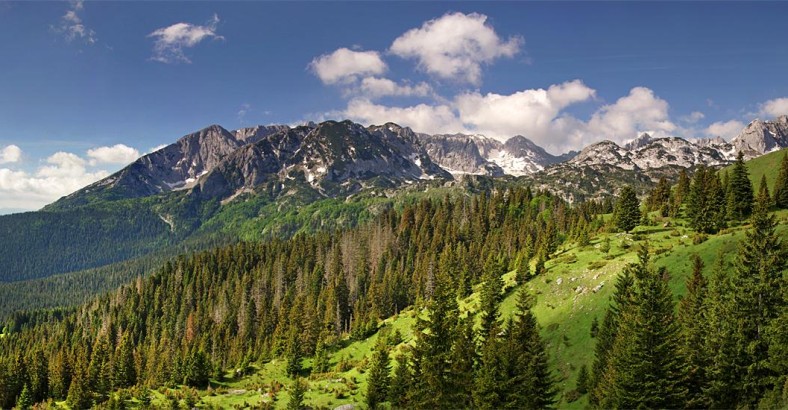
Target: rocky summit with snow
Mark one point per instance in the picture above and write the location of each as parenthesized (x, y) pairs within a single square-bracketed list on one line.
[(341, 158)]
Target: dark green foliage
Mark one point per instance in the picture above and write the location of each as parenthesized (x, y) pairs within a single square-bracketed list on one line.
[(378, 379), (692, 315), (25, 399), (582, 380), (293, 354), (490, 297), (297, 392), (198, 369), (626, 214), (739, 191), (79, 396), (706, 202), (320, 363), (781, 184), (463, 362), (401, 382), (646, 369), (659, 197)]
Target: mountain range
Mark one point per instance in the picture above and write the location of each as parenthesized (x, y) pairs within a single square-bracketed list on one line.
[(336, 159)]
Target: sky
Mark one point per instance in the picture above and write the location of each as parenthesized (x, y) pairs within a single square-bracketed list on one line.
[(87, 87)]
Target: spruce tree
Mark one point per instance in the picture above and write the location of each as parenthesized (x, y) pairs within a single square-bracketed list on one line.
[(25, 399), (320, 362), (627, 210), (463, 362), (582, 380), (490, 297), (706, 202), (297, 392), (692, 317), (601, 374), (647, 369), (740, 192), (378, 379), (401, 382), (530, 384), (293, 353), (780, 190), (757, 282)]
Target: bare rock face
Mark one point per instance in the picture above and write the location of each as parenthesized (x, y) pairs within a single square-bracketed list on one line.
[(760, 137), (462, 154)]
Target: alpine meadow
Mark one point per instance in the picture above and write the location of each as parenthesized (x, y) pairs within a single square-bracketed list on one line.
[(396, 206)]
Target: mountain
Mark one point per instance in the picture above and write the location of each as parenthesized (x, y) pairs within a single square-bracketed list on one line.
[(174, 167), (761, 137), (479, 155)]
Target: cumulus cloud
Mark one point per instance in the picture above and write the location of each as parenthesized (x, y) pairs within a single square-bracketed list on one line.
[(72, 28), (640, 110), (375, 87), (527, 112), (170, 42), (345, 65), (433, 119), (775, 107), (693, 117), (118, 154), (9, 154), (455, 46), (62, 174), (726, 130)]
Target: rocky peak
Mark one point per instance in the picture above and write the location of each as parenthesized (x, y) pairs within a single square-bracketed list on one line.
[(641, 141), (760, 137)]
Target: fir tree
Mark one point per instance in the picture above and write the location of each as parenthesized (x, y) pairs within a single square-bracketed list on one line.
[(293, 353), (692, 318), (320, 363), (297, 392), (401, 382), (757, 283), (25, 399), (582, 380), (626, 214), (648, 371), (463, 362), (490, 297), (378, 379), (780, 190), (740, 193), (79, 396), (530, 384), (706, 202)]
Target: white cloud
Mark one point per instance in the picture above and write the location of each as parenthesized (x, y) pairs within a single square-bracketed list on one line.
[(455, 46), (10, 154), (63, 174), (528, 112), (241, 115), (345, 65), (640, 110), (171, 41), (433, 119), (726, 130), (376, 87), (72, 28), (117, 154), (775, 107), (693, 117), (156, 148)]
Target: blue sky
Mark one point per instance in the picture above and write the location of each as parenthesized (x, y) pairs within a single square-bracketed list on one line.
[(85, 87)]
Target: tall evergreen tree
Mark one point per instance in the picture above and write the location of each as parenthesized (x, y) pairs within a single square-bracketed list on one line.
[(293, 353), (297, 392), (757, 282), (780, 190), (627, 210), (530, 384), (706, 201), (490, 297), (401, 383), (601, 374), (740, 192), (463, 362), (692, 317), (378, 379), (647, 370)]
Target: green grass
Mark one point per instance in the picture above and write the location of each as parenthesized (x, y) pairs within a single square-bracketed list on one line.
[(566, 305), (768, 165)]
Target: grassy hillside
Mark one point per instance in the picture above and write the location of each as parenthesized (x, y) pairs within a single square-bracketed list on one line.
[(575, 289), (767, 165)]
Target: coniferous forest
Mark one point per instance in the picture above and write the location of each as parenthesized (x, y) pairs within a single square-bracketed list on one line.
[(204, 318)]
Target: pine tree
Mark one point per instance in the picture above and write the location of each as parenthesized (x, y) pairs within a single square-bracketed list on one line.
[(25, 399), (79, 396), (757, 283), (124, 372), (692, 317), (320, 363), (780, 190), (490, 297), (647, 370), (293, 353), (740, 192), (582, 380), (463, 362), (627, 211), (530, 384), (432, 351), (706, 202), (378, 379), (401, 382), (489, 391), (297, 392), (601, 376)]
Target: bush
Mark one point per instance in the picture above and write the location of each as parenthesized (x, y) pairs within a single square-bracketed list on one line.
[(594, 265), (699, 238), (572, 395)]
